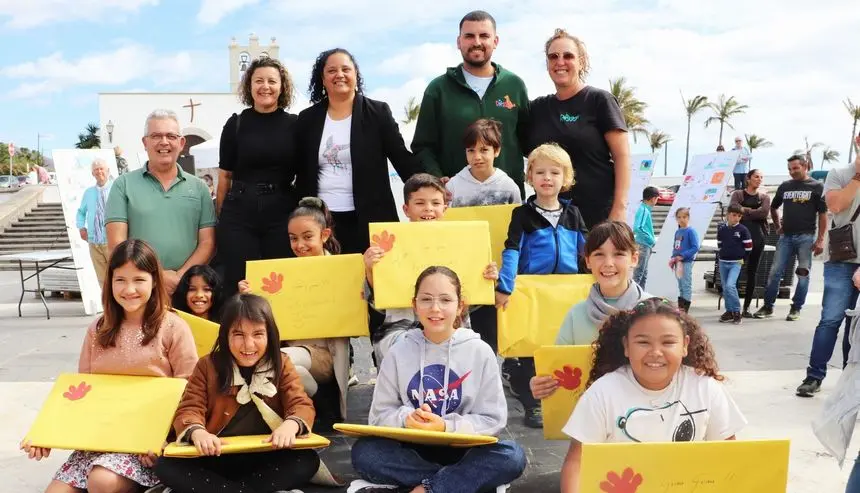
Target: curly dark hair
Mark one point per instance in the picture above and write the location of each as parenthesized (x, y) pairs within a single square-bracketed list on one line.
[(609, 346), (210, 277), (288, 92), (316, 90)]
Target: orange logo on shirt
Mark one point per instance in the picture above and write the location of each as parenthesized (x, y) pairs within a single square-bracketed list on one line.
[(506, 103)]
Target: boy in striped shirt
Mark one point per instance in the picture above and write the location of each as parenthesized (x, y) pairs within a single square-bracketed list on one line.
[(735, 244)]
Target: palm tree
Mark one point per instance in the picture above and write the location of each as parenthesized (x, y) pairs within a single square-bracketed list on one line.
[(854, 110), (724, 110), (90, 138), (829, 155), (755, 142), (658, 139), (632, 108), (693, 106), (412, 109)]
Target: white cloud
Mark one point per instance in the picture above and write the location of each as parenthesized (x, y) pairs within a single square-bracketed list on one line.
[(32, 13), (212, 11), (105, 70)]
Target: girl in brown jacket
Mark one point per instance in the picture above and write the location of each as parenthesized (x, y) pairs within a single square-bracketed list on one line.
[(243, 387)]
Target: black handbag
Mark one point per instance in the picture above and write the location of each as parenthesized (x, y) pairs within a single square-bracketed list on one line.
[(841, 247)]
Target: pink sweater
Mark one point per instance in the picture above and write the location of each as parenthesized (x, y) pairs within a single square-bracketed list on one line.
[(171, 353)]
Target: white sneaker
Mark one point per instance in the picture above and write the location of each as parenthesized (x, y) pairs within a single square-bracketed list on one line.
[(503, 488), (360, 485)]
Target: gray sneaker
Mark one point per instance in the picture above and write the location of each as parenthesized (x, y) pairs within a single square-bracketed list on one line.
[(808, 387), (764, 312), (793, 315)]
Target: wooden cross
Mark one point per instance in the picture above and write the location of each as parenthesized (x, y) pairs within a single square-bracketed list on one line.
[(191, 104)]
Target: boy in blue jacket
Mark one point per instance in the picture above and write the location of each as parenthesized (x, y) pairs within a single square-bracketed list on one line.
[(643, 232), (684, 250), (546, 236), (735, 244)]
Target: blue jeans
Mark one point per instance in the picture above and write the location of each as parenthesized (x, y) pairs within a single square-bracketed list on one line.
[(740, 178), (685, 283), (839, 295), (853, 485), (439, 469), (787, 248), (729, 272), (640, 273)]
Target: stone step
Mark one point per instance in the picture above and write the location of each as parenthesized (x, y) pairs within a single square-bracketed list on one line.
[(5, 240), (32, 247), (35, 234), (41, 220), (38, 227)]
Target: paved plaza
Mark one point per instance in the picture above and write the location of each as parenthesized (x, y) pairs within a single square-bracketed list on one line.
[(763, 360)]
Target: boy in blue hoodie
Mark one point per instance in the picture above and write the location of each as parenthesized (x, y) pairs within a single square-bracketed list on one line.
[(684, 250), (735, 244), (546, 236), (643, 231)]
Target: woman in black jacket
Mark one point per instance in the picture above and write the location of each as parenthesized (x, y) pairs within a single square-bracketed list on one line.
[(346, 140)]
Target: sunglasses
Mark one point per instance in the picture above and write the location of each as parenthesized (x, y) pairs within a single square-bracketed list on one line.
[(554, 57)]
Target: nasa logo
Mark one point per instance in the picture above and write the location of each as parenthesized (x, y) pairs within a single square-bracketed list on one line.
[(435, 393)]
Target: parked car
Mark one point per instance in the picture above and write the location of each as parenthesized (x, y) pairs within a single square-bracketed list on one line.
[(22, 180), (666, 197), (7, 182)]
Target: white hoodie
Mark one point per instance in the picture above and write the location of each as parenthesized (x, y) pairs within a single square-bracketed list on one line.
[(458, 378), (498, 189)]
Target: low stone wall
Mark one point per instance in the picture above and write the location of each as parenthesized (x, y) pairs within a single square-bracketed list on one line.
[(19, 204)]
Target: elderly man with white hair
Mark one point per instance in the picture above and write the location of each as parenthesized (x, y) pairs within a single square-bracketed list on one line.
[(742, 164), (91, 217), (163, 205)]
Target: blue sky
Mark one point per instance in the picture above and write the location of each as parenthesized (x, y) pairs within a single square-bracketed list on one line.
[(793, 65)]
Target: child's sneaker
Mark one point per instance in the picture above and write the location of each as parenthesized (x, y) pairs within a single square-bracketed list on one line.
[(362, 486), (727, 317), (737, 318)]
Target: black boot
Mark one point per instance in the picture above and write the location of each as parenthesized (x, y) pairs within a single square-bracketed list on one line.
[(680, 303), (685, 305)]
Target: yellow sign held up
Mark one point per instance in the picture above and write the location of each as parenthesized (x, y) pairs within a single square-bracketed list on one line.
[(686, 467), (421, 437), (107, 413), (205, 332), (536, 310), (246, 444), (463, 246), (498, 218), (570, 366), (313, 297)]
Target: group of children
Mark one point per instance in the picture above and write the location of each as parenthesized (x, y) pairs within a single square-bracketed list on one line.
[(435, 373)]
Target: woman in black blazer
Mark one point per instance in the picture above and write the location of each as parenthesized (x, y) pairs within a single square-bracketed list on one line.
[(346, 140)]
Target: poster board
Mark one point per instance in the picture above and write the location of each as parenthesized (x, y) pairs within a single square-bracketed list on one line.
[(759, 466), (246, 444), (702, 189), (313, 297), (421, 437), (463, 246), (570, 366), (498, 218), (205, 332), (536, 310), (107, 413), (74, 177), (642, 167)]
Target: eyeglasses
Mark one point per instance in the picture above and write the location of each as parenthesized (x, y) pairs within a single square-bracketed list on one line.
[(427, 302), (169, 137), (567, 56)]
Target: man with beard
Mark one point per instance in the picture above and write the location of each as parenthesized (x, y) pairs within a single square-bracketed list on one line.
[(805, 211), (477, 88)]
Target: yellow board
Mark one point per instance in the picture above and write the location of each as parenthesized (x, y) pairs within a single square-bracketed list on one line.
[(759, 466), (107, 413), (247, 444), (497, 216), (536, 310), (421, 437), (463, 246), (313, 297), (205, 332), (570, 367)]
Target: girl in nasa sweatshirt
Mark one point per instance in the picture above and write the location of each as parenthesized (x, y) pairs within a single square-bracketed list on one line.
[(445, 379)]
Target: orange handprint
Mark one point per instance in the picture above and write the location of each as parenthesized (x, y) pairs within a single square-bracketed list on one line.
[(273, 283), (384, 241), (628, 482), (77, 392), (569, 378)]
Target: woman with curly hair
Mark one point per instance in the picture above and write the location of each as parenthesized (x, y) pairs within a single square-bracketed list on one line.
[(654, 379), (346, 140), (258, 163)]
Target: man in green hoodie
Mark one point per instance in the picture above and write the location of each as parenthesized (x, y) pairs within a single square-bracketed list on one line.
[(477, 88)]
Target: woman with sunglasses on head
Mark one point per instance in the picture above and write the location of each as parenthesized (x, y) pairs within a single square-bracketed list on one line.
[(587, 122)]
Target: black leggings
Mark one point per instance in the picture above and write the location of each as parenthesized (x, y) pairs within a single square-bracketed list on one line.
[(239, 473), (752, 269)]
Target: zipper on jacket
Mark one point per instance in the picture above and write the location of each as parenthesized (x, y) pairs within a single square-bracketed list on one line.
[(557, 248)]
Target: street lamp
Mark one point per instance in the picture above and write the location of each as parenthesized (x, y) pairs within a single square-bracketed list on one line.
[(109, 128)]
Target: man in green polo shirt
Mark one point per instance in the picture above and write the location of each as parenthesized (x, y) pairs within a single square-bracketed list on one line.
[(163, 205)]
